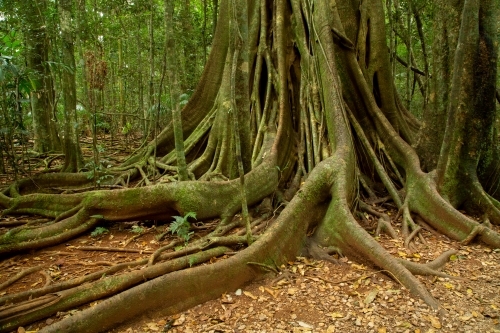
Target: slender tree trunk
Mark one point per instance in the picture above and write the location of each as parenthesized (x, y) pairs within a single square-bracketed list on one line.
[(149, 113), (73, 153), (42, 97), (171, 63)]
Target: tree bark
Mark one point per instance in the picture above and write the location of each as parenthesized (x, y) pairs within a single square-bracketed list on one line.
[(42, 97), (73, 161)]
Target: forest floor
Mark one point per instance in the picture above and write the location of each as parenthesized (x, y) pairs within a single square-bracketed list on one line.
[(306, 296)]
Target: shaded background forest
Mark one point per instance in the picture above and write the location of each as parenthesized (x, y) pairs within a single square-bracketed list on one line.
[(121, 52)]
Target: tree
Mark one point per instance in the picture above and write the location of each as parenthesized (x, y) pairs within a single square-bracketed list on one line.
[(42, 96), (73, 161), (311, 86)]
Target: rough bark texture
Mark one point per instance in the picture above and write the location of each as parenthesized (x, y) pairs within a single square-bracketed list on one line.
[(73, 160), (42, 97)]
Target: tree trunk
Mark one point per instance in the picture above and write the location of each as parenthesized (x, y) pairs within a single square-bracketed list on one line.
[(446, 24), (42, 97), (73, 161), (472, 107)]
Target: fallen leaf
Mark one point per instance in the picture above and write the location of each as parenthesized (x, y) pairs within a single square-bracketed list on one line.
[(382, 330), (405, 324), (270, 291), (336, 315), (249, 294), (371, 296), (466, 317), (434, 322), (305, 325), (449, 285), (179, 321), (292, 291), (153, 327)]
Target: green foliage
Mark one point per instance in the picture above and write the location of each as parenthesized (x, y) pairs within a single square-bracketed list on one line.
[(137, 229), (192, 261), (10, 44), (127, 128), (98, 171), (99, 231), (15, 88), (184, 99), (181, 226)]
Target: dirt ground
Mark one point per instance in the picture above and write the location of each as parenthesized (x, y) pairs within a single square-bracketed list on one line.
[(307, 295)]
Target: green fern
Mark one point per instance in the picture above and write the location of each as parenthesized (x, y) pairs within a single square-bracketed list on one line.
[(99, 231), (181, 226)]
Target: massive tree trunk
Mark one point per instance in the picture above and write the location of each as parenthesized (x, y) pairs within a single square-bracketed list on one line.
[(311, 87)]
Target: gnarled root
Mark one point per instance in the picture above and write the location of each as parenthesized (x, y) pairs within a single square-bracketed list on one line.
[(180, 290), (440, 214), (24, 313), (80, 212)]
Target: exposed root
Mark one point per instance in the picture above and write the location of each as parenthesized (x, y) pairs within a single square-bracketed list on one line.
[(407, 223), (48, 279), (478, 230), (21, 314), (182, 289), (110, 249), (422, 269), (19, 276), (384, 225), (264, 266), (486, 203), (162, 249), (317, 252), (410, 237), (131, 239), (228, 241), (47, 235), (439, 214), (431, 268)]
